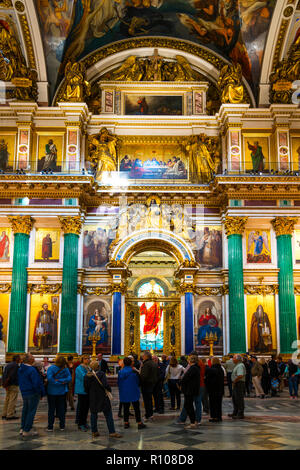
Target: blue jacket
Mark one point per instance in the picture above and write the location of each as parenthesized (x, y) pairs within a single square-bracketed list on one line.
[(30, 381), (58, 385), (80, 373), (128, 382)]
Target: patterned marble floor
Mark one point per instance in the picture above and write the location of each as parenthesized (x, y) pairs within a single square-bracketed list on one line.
[(270, 424)]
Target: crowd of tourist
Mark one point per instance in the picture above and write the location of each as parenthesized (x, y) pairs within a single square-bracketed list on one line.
[(200, 382)]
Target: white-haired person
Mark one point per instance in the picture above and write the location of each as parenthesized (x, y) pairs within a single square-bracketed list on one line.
[(238, 378)]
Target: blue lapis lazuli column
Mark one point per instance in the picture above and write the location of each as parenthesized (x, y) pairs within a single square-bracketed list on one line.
[(189, 322), (116, 334)]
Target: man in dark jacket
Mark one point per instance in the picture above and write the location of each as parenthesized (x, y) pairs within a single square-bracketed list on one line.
[(158, 388), (11, 385), (214, 381), (190, 386), (32, 390), (149, 375), (103, 364)]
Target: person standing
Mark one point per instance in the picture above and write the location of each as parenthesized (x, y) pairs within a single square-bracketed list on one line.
[(257, 372), (58, 379), (265, 378), (32, 390), (281, 369), (274, 374), (103, 364), (238, 378), (229, 366), (149, 377), (190, 385), (11, 385), (158, 388), (292, 372), (97, 388), (247, 365), (70, 396), (129, 391), (174, 373), (83, 398), (214, 381)]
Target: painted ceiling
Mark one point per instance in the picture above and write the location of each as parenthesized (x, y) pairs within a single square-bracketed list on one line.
[(235, 29)]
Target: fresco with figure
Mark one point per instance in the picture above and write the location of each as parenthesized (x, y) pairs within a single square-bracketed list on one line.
[(234, 29), (261, 323), (208, 246), (96, 242), (43, 324), (97, 321), (207, 320)]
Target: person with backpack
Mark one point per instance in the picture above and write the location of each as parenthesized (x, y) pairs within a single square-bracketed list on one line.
[(11, 385), (58, 379), (129, 391), (98, 395), (292, 372)]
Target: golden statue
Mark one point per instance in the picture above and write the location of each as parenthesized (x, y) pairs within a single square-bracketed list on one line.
[(199, 150), (76, 88), (230, 84), (282, 77), (102, 151), (130, 70), (11, 50), (26, 84)]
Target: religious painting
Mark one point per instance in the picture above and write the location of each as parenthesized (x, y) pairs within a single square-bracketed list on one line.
[(258, 243), (47, 245), (50, 152), (5, 244), (97, 323), (43, 324), (256, 151), (153, 160), (96, 242), (149, 105), (208, 321), (151, 317), (208, 246), (261, 324), (4, 312), (297, 297), (296, 153), (7, 151), (297, 246)]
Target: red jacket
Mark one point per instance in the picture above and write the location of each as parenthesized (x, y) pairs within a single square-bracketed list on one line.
[(202, 373)]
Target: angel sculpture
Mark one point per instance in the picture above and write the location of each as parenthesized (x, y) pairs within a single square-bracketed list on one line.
[(230, 84), (257, 243), (102, 152), (77, 88)]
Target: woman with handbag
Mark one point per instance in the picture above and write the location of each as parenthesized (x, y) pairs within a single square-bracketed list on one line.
[(174, 372), (99, 396)]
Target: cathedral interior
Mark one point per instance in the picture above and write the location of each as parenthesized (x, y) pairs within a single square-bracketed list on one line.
[(149, 177)]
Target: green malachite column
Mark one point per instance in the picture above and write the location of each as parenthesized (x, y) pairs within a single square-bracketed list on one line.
[(234, 227), (68, 320), (21, 227), (284, 227)]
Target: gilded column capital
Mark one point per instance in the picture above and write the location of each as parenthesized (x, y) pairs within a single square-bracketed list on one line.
[(284, 225), (21, 223), (71, 224), (235, 225)]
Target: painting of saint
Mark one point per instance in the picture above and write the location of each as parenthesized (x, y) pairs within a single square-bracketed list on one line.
[(258, 247), (260, 332), (96, 243), (4, 245), (208, 250), (208, 323), (153, 105), (97, 321), (45, 329), (256, 156), (50, 157), (98, 325), (47, 245), (4, 155), (208, 319)]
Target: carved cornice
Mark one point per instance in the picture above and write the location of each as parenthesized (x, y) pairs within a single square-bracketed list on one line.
[(261, 289), (94, 290), (21, 224), (235, 225), (284, 225), (71, 224), (44, 288)]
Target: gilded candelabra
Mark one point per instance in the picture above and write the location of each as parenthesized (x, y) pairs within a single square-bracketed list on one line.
[(210, 339), (94, 338)]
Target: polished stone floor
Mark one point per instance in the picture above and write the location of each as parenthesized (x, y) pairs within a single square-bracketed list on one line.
[(270, 424)]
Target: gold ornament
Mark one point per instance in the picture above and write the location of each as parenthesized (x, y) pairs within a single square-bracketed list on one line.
[(261, 289), (230, 84), (11, 50), (102, 151), (203, 153), (21, 224), (85, 290), (235, 225), (77, 88), (284, 225), (5, 4), (19, 6), (71, 224), (5, 288)]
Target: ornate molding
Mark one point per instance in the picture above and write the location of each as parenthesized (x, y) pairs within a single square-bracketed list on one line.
[(284, 225), (71, 224), (5, 288), (94, 290), (28, 41), (261, 289), (44, 288), (6, 4), (235, 225), (297, 290), (21, 223)]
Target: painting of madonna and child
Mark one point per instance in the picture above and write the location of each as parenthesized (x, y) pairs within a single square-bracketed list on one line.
[(153, 161), (208, 319), (97, 321)]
